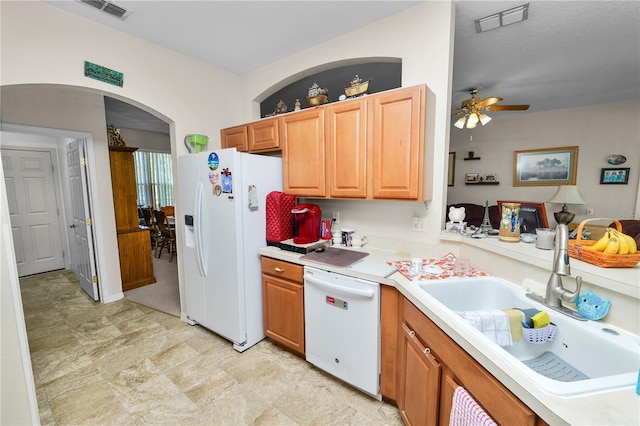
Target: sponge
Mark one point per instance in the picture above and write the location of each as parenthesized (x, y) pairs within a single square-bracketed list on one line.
[(541, 319)]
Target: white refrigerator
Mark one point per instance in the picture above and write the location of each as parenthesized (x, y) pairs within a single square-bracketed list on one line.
[(222, 195)]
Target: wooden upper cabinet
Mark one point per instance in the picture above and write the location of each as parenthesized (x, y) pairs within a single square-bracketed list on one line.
[(263, 135), (303, 153), (346, 144), (398, 144), (123, 181), (235, 137)]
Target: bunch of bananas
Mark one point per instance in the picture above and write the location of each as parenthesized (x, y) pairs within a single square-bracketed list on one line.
[(615, 242)]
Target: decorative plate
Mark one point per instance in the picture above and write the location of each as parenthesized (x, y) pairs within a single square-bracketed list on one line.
[(616, 159)]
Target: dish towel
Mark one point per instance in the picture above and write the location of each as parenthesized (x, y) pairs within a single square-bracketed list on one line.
[(492, 323), (465, 411)]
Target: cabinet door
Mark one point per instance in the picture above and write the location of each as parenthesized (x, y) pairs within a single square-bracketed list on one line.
[(235, 137), (283, 312), (398, 144), (303, 154), (136, 259), (420, 381), (449, 386), (347, 149), (263, 135), (123, 182)]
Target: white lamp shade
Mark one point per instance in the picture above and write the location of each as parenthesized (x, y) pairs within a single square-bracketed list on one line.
[(484, 119), (472, 121), (567, 194), (460, 123)]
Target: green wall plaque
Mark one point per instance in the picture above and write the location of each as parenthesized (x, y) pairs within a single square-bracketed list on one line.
[(98, 72)]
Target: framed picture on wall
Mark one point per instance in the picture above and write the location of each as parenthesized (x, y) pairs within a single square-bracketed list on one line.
[(550, 166), (452, 169), (472, 177), (615, 176)]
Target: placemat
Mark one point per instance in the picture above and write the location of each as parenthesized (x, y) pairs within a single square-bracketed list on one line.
[(335, 256), (447, 263)]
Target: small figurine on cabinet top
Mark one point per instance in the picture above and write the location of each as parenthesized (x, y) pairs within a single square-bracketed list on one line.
[(317, 95), (357, 87), (114, 136)]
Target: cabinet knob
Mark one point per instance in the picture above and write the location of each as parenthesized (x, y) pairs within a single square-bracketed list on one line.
[(277, 269)]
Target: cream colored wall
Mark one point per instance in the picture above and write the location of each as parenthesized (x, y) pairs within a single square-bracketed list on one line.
[(598, 130), (41, 73), (422, 38), (18, 404)]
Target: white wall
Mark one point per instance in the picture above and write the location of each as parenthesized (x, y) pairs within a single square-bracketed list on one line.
[(598, 130), (18, 404), (43, 84), (422, 38)]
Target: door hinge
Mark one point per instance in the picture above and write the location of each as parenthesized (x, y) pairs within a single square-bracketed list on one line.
[(89, 222), (83, 161), (95, 278)]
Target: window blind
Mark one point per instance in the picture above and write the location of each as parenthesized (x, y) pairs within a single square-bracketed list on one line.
[(154, 179)]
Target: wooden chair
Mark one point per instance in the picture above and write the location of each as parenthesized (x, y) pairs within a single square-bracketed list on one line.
[(150, 223), (168, 210), (167, 237)]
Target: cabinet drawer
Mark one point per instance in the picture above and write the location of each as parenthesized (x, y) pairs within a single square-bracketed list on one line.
[(282, 269)]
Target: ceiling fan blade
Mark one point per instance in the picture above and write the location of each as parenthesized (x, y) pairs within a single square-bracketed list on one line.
[(487, 101), (507, 108)]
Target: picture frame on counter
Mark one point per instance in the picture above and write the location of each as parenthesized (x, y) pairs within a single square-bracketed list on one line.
[(614, 176), (545, 167), (451, 172)]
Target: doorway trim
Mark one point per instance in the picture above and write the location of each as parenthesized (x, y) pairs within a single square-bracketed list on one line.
[(67, 134)]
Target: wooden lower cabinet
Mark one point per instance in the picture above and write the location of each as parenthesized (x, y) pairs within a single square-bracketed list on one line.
[(420, 377), (136, 258), (430, 368), (283, 303)]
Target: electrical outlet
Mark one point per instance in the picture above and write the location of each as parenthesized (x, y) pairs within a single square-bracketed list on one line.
[(589, 212), (335, 217), (418, 224)]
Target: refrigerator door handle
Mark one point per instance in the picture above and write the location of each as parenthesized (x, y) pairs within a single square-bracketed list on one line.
[(197, 225)]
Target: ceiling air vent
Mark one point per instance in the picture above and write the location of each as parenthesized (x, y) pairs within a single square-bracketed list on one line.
[(109, 7)]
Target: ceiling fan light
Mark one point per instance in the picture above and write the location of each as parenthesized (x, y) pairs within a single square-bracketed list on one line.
[(460, 123), (472, 121), (484, 119)]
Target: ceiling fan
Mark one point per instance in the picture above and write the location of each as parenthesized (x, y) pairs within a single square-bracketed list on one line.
[(472, 110)]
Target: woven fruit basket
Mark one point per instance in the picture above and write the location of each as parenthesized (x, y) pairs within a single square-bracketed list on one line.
[(578, 250)]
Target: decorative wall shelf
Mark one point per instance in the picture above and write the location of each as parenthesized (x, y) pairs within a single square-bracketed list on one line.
[(482, 183), (472, 158)]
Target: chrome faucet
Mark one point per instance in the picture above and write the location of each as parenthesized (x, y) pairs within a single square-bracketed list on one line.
[(556, 293)]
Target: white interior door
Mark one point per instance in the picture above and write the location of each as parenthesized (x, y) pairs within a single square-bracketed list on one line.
[(33, 209), (82, 257)]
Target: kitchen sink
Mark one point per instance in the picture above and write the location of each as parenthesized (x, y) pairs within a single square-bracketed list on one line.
[(594, 356)]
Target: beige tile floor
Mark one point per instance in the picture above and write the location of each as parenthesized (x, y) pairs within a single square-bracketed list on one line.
[(123, 363)]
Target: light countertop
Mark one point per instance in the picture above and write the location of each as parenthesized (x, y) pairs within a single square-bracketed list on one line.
[(620, 407)]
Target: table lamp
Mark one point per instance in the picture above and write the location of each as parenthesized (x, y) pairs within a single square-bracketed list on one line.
[(566, 194)]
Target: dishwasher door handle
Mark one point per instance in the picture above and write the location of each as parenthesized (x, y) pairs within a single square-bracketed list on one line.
[(346, 290)]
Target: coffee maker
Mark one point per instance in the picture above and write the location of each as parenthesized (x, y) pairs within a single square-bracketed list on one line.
[(306, 223)]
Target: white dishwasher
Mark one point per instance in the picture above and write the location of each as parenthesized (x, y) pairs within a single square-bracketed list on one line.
[(342, 327)]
